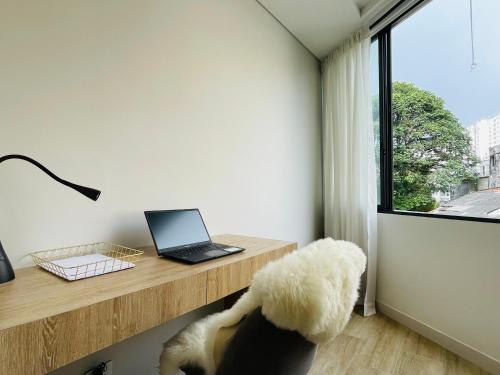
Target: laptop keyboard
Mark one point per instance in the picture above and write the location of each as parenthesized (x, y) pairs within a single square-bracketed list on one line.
[(196, 250)]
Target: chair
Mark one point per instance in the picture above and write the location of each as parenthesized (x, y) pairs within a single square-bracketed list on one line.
[(292, 305)]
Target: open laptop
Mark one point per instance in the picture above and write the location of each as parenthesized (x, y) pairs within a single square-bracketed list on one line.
[(182, 235)]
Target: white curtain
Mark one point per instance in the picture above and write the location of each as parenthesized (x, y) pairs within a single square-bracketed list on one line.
[(350, 191)]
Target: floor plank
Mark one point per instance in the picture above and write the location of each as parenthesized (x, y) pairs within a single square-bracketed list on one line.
[(378, 345), (343, 348)]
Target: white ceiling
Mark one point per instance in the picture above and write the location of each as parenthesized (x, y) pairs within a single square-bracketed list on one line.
[(322, 24), (362, 3)]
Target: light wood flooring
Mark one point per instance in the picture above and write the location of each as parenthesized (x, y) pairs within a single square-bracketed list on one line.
[(377, 345)]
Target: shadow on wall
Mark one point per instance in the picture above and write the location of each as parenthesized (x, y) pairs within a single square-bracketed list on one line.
[(130, 229)]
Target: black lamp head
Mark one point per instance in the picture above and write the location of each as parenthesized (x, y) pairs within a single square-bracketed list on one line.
[(88, 192)]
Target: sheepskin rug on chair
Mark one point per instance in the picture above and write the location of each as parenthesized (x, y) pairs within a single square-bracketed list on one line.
[(311, 291)]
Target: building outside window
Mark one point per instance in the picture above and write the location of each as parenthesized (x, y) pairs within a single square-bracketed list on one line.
[(440, 140)]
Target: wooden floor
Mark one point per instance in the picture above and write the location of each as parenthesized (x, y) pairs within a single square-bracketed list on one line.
[(378, 345)]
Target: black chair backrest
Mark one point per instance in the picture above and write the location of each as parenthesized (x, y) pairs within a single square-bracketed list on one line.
[(260, 348), (192, 370)]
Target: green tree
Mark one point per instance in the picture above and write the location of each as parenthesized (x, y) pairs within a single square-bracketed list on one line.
[(432, 151)]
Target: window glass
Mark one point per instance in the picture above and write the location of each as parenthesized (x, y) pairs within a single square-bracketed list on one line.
[(446, 109)]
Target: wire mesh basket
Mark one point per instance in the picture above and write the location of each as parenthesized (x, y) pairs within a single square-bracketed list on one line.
[(80, 262)]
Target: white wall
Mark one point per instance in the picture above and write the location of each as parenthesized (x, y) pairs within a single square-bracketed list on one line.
[(445, 274), (160, 104)]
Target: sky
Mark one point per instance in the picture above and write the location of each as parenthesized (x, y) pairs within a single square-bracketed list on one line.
[(432, 49)]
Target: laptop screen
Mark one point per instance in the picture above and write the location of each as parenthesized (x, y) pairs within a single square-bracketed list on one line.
[(177, 228)]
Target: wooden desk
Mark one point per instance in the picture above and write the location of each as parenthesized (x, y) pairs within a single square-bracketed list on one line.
[(47, 322)]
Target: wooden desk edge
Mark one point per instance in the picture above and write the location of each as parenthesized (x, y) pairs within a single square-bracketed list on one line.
[(47, 343)]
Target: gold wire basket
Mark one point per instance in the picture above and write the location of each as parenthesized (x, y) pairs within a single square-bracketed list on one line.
[(80, 262)]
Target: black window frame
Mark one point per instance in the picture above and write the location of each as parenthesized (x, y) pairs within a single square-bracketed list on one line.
[(386, 206)]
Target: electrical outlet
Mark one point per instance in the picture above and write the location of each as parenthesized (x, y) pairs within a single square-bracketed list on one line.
[(99, 369), (109, 368)]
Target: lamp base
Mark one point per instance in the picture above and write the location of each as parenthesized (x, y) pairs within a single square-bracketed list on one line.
[(6, 270)]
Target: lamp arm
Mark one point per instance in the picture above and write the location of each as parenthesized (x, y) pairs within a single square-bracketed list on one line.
[(88, 192), (6, 270)]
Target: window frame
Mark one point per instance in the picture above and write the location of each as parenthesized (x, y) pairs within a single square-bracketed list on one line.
[(386, 206)]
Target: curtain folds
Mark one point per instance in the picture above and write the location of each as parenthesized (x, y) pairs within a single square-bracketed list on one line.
[(350, 191)]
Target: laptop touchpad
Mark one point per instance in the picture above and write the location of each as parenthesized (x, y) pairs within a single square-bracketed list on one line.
[(214, 253)]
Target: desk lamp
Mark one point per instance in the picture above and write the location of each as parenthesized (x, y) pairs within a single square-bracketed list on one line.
[(6, 271)]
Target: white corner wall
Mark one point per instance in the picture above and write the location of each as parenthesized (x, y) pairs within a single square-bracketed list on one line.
[(160, 104), (442, 277)]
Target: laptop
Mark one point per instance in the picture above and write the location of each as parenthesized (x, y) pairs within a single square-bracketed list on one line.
[(182, 235)]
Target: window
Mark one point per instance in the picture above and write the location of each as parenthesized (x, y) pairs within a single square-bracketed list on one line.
[(375, 109), (435, 83)]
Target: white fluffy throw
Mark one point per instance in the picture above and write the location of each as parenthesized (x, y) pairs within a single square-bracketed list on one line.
[(311, 291)]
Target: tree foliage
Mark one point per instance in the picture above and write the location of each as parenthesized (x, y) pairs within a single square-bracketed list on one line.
[(431, 150)]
